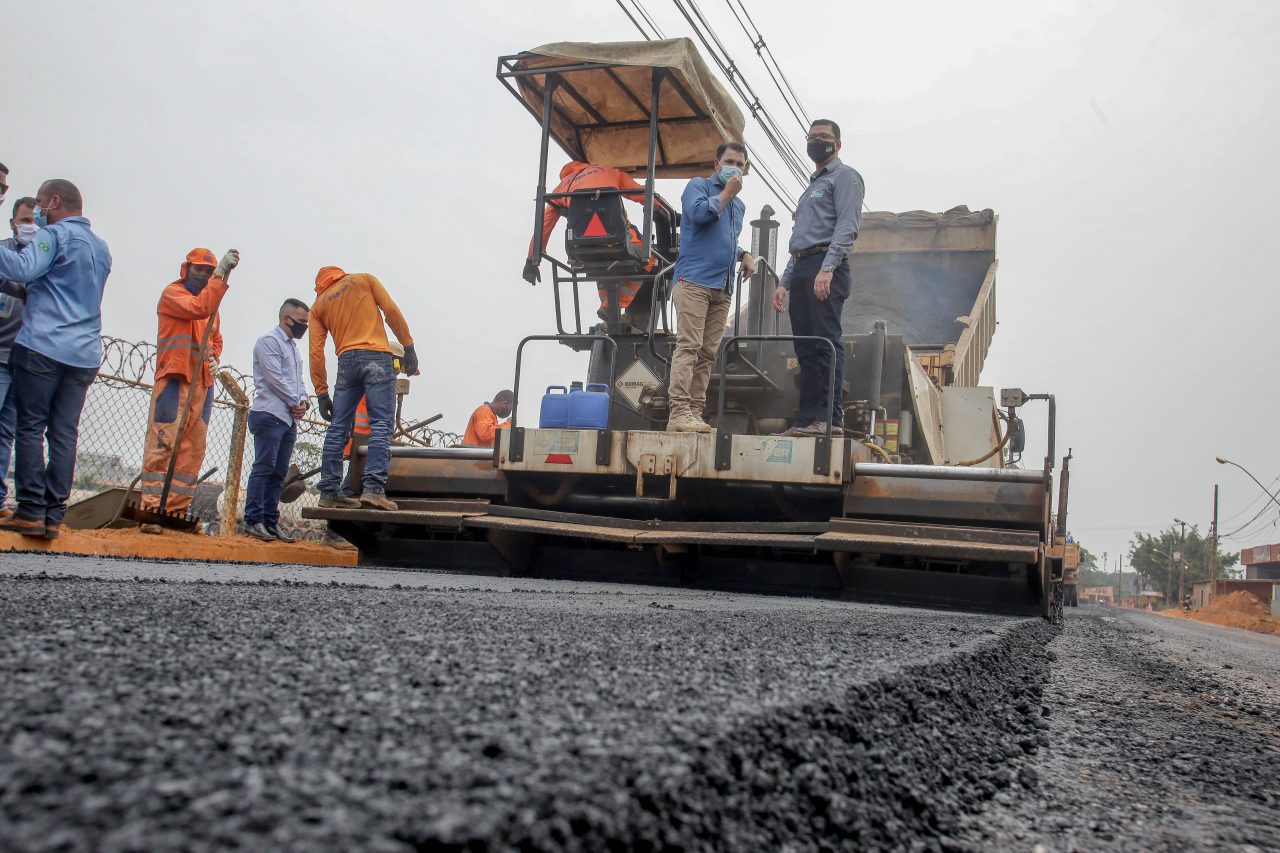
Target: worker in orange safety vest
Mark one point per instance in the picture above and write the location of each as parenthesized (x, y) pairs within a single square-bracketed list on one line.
[(577, 175), (186, 309), (482, 429)]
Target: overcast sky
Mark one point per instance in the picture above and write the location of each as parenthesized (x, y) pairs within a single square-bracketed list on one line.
[(1129, 149)]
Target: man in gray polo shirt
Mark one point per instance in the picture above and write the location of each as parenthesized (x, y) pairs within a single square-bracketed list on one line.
[(12, 297), (818, 276)]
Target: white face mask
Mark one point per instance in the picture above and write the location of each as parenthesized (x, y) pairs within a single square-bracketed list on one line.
[(26, 230)]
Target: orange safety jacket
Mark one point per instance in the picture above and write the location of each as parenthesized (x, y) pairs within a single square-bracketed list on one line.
[(361, 426), (584, 176), (183, 317), (482, 429), (351, 307)]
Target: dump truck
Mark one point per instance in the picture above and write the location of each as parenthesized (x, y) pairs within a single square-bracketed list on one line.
[(922, 500)]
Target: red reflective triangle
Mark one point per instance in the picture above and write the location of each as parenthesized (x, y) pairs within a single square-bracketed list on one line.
[(595, 228), (559, 459)]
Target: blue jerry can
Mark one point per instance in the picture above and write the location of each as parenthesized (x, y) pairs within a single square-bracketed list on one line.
[(554, 413), (589, 409)]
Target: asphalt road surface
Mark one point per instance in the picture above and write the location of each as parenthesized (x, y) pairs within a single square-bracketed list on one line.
[(208, 707)]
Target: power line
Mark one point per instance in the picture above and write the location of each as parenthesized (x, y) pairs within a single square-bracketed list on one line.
[(767, 175), (643, 14), (1252, 503), (780, 81), (706, 34)]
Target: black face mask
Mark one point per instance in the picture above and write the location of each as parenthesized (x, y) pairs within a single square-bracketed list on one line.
[(820, 150), (297, 329)]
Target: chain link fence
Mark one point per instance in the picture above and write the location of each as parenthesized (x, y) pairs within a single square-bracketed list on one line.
[(113, 432)]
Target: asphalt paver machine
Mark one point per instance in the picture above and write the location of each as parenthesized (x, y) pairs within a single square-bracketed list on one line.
[(922, 501)]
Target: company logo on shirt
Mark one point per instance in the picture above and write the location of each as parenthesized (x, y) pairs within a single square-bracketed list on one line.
[(816, 194), (44, 247)]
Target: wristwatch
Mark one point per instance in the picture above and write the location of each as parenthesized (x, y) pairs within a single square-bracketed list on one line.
[(828, 268)]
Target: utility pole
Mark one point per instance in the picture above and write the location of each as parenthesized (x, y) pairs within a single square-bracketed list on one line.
[(1119, 579), (1213, 555), (1182, 560)]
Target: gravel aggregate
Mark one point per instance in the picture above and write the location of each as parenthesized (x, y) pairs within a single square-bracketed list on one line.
[(1163, 734), (153, 715)]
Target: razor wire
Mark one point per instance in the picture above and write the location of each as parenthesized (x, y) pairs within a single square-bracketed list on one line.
[(113, 432)]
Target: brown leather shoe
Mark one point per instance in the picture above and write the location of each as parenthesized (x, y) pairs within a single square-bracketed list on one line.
[(52, 531), (14, 524)]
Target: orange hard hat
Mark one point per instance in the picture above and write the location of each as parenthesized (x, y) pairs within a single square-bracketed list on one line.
[(327, 276), (199, 257), (202, 257)]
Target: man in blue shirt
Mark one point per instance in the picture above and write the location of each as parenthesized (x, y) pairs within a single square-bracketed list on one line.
[(710, 222), (56, 355), (12, 296), (279, 401), (818, 276)]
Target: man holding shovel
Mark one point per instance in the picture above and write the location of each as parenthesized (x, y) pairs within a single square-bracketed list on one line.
[(187, 350)]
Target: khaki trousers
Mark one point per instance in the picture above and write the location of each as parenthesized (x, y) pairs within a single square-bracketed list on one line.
[(701, 313)]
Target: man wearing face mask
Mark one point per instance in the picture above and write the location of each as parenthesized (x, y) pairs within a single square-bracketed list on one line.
[(188, 307), (710, 224), (12, 295), (57, 352), (482, 428), (818, 276), (279, 402)]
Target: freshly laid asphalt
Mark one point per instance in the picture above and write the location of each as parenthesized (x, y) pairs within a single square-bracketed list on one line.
[(1164, 735), (491, 714), (164, 706)]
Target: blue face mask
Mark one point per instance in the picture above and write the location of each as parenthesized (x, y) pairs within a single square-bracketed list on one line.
[(727, 172), (42, 218)]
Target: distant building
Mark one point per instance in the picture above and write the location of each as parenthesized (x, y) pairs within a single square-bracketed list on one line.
[(1266, 591), (1261, 562)]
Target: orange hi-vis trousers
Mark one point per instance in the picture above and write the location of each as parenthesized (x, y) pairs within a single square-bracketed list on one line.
[(167, 399), (627, 290)]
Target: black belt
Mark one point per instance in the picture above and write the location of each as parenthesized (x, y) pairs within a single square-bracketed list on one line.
[(812, 250)]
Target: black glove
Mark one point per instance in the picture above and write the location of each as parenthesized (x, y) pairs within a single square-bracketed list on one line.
[(325, 405), (410, 361), (531, 273)]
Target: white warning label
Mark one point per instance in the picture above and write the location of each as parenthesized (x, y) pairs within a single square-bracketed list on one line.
[(635, 381)]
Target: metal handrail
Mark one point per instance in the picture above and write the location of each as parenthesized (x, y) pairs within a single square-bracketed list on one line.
[(831, 379)]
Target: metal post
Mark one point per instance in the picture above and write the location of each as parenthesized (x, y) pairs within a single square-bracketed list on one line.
[(235, 456), (1213, 556), (541, 192), (764, 243), (653, 155)]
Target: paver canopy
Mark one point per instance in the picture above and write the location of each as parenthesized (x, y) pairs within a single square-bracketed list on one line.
[(600, 109)]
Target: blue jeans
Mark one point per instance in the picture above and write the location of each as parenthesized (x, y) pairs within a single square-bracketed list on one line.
[(50, 397), (368, 374), (272, 449), (8, 426), (821, 318)]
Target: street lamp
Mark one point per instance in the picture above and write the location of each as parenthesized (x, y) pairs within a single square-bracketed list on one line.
[(1182, 562), (1222, 460)]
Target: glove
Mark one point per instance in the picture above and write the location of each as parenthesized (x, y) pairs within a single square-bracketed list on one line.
[(410, 361), (325, 406), (229, 262), (531, 273)]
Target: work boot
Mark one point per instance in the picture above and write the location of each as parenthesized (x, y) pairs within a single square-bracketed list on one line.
[(338, 502), (685, 422), (333, 540), (378, 500), (817, 429), (258, 531), (793, 432), (152, 529), (276, 533), (52, 531), (26, 527)]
